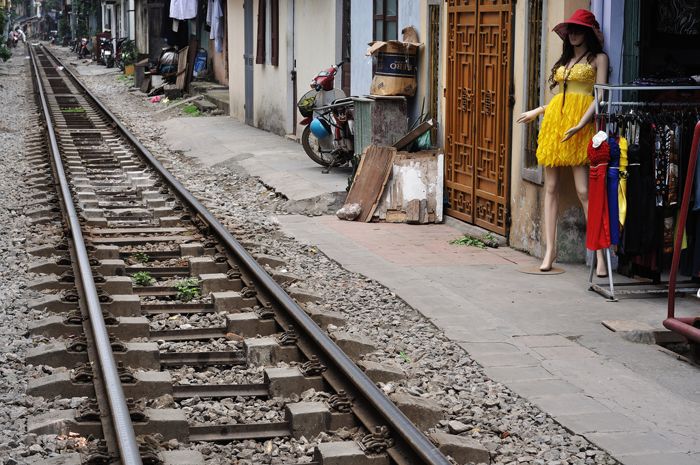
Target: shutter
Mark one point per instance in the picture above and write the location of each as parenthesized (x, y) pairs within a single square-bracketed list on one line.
[(260, 54), (274, 32)]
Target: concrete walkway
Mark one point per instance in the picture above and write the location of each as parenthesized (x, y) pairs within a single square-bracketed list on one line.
[(540, 335)]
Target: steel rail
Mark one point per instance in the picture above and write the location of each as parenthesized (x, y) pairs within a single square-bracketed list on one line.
[(124, 429), (398, 422)]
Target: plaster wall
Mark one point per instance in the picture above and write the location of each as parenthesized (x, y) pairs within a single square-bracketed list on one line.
[(527, 198), (411, 13), (235, 47), (315, 43)]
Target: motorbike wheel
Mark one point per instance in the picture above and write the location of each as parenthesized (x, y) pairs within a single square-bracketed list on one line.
[(110, 62), (314, 149)]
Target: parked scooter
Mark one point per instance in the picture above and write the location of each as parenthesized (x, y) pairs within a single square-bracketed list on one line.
[(328, 138), (106, 56)]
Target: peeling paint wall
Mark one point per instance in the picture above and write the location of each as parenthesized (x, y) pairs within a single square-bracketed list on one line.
[(527, 199)]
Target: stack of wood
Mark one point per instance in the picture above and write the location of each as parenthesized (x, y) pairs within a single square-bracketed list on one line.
[(396, 187)]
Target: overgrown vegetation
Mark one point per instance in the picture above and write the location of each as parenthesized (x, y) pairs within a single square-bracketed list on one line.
[(140, 257), (187, 289), (5, 52), (191, 110), (73, 110), (487, 240), (143, 278)]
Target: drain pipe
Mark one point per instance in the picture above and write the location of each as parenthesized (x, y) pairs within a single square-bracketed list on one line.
[(683, 326), (131, 18)]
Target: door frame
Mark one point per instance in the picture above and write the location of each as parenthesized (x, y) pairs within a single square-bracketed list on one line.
[(248, 61), (483, 207)]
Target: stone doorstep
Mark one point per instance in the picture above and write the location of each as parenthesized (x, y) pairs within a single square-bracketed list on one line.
[(126, 329), (171, 423), (148, 384)]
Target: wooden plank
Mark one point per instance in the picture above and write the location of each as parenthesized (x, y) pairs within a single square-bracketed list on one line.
[(370, 179), (181, 68), (413, 135), (413, 211), (395, 216)]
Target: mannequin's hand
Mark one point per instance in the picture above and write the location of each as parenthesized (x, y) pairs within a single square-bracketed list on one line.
[(570, 132), (527, 116)]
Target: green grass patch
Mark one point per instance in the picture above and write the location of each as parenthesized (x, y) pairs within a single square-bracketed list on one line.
[(187, 289), (191, 110), (73, 110), (487, 240), (143, 278)]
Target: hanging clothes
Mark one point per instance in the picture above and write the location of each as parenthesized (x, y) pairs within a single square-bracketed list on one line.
[(598, 228), (215, 21), (183, 9), (613, 184), (622, 187)]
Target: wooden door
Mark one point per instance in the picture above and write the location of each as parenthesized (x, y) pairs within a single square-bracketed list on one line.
[(478, 111)]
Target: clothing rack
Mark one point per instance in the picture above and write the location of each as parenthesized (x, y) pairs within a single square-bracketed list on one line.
[(638, 288)]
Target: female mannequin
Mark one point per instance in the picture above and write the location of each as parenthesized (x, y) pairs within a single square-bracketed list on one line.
[(566, 127)]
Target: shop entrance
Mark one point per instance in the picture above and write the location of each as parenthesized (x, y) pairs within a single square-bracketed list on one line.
[(478, 112)]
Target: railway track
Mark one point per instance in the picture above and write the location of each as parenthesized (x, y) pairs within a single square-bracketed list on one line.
[(146, 284)]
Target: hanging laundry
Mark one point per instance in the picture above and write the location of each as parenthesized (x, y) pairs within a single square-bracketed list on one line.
[(598, 228), (215, 21), (613, 184), (183, 9)]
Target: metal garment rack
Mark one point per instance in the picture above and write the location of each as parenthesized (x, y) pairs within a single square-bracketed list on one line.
[(639, 288)]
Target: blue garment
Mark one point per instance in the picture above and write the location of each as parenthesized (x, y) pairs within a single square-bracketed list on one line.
[(613, 183)]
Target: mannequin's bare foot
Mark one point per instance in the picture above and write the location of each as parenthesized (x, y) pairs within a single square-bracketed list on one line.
[(547, 262), (601, 269)]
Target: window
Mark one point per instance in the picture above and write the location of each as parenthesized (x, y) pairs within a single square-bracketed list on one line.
[(533, 89), (268, 33), (386, 24)]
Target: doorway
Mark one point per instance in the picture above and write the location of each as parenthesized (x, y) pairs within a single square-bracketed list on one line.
[(478, 112)]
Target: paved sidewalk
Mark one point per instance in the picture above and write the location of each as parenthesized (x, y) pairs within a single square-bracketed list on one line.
[(278, 162), (540, 335)]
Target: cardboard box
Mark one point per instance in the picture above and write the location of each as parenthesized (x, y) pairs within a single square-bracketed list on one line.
[(396, 65)]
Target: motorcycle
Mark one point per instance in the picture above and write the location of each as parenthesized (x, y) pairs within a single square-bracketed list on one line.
[(106, 53), (328, 138)]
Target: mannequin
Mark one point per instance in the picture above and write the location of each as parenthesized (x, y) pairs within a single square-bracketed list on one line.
[(567, 124)]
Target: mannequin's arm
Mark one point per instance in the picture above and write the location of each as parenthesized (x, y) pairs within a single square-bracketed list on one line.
[(531, 114)]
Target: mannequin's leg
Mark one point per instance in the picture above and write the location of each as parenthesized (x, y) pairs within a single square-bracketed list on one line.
[(551, 208), (581, 182)]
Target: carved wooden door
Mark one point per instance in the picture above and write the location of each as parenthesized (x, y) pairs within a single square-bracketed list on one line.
[(478, 111)]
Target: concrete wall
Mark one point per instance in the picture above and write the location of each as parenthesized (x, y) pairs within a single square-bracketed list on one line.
[(307, 31), (236, 71), (527, 198)]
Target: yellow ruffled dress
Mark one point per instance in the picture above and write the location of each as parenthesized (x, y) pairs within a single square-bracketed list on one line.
[(565, 112)]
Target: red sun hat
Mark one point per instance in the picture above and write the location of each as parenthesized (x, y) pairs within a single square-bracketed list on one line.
[(580, 17)]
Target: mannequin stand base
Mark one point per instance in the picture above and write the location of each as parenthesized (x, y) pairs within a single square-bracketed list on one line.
[(536, 270)]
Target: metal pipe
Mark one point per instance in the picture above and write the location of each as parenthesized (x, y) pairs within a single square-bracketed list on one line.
[(625, 87), (124, 429), (684, 329), (685, 203), (418, 442)]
